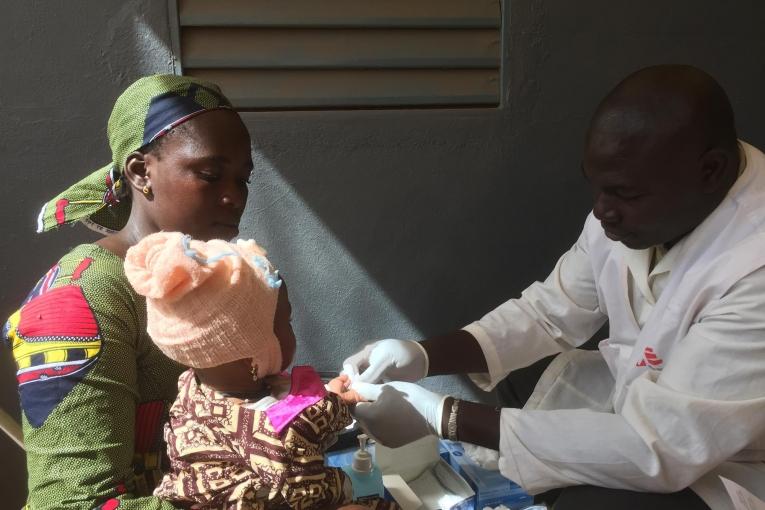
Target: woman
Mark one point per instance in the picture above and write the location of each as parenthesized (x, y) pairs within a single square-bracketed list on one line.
[(94, 389)]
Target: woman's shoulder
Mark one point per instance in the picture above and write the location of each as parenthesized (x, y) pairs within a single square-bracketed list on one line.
[(97, 271), (57, 335), (88, 280), (88, 260)]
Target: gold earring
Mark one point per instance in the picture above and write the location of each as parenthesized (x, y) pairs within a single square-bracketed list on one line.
[(254, 372), (146, 190)]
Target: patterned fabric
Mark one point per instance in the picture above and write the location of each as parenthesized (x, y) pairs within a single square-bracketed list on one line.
[(226, 456), (94, 389), (55, 341), (147, 110), (306, 389)]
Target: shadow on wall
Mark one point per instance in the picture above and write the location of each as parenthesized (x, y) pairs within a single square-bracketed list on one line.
[(415, 222), (401, 223)]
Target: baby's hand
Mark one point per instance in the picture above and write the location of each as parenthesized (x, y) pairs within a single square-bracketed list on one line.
[(339, 386)]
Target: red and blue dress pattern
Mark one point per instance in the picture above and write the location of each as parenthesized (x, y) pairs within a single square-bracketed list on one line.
[(55, 340)]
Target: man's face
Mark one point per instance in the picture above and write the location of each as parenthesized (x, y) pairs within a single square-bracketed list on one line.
[(646, 191)]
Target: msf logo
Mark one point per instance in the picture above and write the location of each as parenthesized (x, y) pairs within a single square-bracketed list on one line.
[(650, 359)]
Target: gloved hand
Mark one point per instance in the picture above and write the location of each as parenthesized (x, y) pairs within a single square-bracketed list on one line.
[(398, 412), (388, 360)]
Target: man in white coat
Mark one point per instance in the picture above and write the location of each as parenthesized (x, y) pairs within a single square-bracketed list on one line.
[(673, 257)]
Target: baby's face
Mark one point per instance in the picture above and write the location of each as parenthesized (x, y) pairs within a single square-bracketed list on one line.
[(283, 326)]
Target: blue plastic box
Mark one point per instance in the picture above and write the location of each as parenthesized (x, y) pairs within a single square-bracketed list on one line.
[(491, 488), (343, 458)]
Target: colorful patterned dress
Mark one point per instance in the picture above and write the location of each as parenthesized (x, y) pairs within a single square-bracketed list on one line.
[(94, 389), (225, 456)]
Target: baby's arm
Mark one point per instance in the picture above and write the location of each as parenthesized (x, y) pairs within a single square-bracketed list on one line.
[(309, 483)]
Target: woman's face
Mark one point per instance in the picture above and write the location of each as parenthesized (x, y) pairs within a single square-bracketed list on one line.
[(199, 178)]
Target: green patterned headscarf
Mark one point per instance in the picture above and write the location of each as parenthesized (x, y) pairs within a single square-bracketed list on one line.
[(147, 110)]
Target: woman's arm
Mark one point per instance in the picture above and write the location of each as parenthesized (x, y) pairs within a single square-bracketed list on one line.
[(74, 343)]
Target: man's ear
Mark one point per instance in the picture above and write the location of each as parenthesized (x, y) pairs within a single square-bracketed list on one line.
[(714, 168), (136, 173)]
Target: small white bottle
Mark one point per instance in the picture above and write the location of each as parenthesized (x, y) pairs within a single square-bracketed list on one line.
[(365, 476)]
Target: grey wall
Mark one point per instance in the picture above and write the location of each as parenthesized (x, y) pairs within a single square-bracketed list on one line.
[(385, 223), (413, 223)]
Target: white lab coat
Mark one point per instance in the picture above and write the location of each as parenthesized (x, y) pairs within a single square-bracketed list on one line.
[(666, 403)]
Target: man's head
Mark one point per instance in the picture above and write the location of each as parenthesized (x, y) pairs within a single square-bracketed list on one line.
[(660, 155)]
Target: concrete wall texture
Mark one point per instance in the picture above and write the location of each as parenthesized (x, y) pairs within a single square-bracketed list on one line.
[(384, 223)]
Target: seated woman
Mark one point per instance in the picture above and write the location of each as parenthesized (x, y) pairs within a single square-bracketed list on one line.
[(94, 389), (235, 439)]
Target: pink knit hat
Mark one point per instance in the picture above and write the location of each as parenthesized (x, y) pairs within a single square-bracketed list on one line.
[(208, 303)]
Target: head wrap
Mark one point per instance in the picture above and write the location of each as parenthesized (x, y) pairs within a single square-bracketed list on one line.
[(208, 303), (147, 110)]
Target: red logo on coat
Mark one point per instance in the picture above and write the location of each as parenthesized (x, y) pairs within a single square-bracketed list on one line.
[(650, 359)]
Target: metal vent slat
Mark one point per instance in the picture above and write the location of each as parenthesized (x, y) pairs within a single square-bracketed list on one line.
[(340, 13), (284, 89), (291, 54), (339, 48)]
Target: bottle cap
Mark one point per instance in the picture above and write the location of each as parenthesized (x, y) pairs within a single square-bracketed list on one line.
[(362, 459)]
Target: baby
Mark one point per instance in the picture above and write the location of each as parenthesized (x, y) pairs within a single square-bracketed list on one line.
[(241, 435)]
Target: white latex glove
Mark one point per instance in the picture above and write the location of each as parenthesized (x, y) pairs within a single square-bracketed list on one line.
[(399, 412), (388, 360)]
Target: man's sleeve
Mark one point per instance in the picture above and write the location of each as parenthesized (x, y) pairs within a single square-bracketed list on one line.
[(551, 316), (706, 406)]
